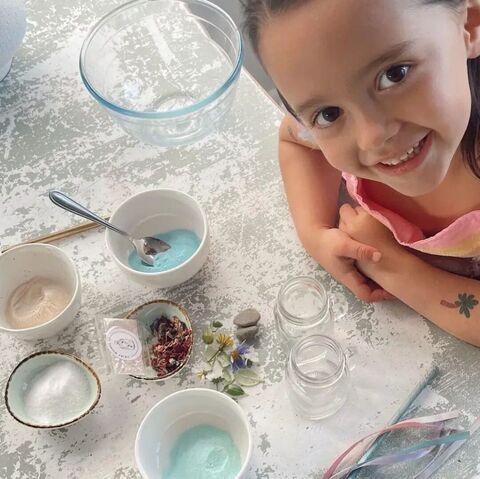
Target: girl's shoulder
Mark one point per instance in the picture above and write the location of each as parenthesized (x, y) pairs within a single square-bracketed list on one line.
[(298, 132)]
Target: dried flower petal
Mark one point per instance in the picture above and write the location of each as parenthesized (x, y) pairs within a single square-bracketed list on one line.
[(172, 341)]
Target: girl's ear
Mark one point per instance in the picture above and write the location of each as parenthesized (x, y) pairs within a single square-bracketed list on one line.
[(472, 28)]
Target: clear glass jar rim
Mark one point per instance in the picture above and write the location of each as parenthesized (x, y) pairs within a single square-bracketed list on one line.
[(160, 114), (308, 321), (328, 342)]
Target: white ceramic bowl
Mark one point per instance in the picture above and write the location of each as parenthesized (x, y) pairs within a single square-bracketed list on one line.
[(153, 212), (22, 263), (146, 314), (180, 411), (22, 377)]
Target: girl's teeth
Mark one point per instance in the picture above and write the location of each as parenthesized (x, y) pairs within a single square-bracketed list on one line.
[(409, 154)]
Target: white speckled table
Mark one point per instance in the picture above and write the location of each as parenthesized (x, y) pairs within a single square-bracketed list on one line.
[(53, 135)]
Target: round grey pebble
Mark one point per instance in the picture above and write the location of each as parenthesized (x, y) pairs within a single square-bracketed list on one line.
[(249, 317), (245, 334)]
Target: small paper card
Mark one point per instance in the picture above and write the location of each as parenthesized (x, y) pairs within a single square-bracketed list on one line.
[(124, 346)]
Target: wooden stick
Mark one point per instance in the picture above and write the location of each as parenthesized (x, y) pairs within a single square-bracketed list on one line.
[(48, 238)]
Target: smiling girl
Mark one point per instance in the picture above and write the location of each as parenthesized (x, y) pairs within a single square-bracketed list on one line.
[(385, 94)]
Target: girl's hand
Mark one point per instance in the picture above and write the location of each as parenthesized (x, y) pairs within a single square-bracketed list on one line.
[(363, 227), (337, 253)]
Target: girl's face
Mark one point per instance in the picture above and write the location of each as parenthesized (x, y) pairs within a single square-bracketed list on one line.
[(381, 84)]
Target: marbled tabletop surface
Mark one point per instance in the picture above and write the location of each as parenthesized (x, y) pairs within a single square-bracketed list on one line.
[(53, 135)]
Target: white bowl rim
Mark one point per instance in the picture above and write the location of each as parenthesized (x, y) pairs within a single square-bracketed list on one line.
[(71, 357), (74, 294), (212, 392), (158, 274), (160, 114)]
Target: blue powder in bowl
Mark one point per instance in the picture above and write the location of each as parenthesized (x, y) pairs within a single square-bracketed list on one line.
[(204, 452), (183, 244)]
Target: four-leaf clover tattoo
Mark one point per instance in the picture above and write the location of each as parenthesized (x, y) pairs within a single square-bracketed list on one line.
[(465, 302)]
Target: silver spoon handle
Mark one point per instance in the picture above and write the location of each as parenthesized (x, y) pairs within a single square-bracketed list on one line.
[(62, 200)]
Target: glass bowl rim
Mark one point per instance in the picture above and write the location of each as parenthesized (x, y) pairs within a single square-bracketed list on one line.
[(160, 114)]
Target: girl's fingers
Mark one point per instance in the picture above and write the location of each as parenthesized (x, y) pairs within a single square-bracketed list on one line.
[(359, 210), (358, 251), (347, 211), (377, 292), (380, 295), (363, 288), (357, 284)]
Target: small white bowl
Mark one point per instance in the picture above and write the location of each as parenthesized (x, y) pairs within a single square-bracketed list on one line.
[(20, 381), (180, 411), (146, 314), (153, 212), (22, 263)]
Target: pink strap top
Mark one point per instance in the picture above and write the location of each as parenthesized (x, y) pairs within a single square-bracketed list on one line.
[(455, 248), (460, 239)]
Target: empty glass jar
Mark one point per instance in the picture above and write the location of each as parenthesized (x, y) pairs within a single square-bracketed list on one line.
[(317, 377), (302, 308)]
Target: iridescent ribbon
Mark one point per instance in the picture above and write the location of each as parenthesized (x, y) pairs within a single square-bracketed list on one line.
[(348, 460), (406, 455), (438, 461)]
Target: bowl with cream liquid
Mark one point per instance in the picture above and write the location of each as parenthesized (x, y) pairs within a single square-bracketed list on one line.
[(40, 291)]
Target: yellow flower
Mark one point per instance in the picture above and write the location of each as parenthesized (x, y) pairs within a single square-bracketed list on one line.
[(224, 340)]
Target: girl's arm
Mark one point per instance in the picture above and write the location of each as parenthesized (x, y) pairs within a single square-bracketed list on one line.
[(312, 187), (311, 183), (448, 300)]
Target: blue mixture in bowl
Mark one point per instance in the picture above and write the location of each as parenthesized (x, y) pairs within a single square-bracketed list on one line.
[(184, 243)]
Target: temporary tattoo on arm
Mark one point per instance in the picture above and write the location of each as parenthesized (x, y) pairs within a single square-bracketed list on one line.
[(466, 302)]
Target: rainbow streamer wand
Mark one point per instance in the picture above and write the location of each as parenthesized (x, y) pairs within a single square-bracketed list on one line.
[(375, 444), (446, 441)]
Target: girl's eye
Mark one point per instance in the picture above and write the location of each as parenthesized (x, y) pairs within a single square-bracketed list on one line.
[(392, 76), (327, 116)]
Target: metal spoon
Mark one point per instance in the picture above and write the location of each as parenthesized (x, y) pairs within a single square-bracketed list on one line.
[(146, 247)]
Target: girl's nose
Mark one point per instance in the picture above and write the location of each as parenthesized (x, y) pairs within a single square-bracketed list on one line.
[(374, 128)]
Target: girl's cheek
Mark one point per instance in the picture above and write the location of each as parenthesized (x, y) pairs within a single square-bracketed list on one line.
[(334, 144), (337, 154)]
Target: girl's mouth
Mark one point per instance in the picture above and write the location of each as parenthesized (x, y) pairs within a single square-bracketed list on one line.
[(411, 160)]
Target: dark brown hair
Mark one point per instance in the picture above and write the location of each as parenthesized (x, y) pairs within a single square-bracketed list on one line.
[(257, 13)]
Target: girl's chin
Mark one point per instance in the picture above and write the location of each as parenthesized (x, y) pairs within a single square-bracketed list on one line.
[(421, 186)]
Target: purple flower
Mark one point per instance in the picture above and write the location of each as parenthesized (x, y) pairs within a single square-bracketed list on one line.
[(236, 357), (243, 348)]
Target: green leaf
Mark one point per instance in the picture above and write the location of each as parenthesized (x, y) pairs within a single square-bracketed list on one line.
[(223, 359), (210, 352), (217, 324), (234, 390), (247, 377), (227, 375)]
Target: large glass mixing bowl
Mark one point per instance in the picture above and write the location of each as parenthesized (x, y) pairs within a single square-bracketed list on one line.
[(166, 70)]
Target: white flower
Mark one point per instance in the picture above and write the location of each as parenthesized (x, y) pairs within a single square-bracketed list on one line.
[(216, 371)]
